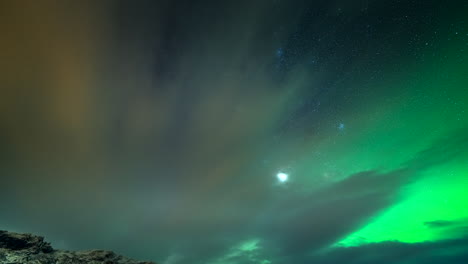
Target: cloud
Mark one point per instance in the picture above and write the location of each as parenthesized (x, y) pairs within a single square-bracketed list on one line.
[(445, 251), (306, 223), (302, 224), (444, 149), (173, 259), (439, 223)]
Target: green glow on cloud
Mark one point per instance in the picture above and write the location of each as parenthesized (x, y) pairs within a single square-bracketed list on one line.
[(249, 245), (247, 249), (439, 196), (412, 125)]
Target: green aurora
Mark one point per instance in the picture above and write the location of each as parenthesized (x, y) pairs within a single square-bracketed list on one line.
[(428, 109)]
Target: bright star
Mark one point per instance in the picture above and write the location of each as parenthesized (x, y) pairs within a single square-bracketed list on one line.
[(282, 177), (279, 52)]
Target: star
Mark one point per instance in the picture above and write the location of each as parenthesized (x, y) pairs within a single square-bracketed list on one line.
[(279, 52), (341, 126)]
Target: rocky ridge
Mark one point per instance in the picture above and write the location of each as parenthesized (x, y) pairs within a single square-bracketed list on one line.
[(18, 248)]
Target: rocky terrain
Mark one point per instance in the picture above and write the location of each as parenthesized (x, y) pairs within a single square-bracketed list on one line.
[(30, 249)]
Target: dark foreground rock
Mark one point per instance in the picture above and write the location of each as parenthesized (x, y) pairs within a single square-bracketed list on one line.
[(30, 249)]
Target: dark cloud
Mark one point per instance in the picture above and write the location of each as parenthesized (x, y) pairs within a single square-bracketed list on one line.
[(305, 223), (439, 223), (445, 251), (443, 150)]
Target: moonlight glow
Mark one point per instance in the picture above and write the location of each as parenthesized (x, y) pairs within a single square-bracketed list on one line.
[(282, 177)]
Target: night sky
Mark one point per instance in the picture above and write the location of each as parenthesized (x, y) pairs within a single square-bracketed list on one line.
[(238, 132)]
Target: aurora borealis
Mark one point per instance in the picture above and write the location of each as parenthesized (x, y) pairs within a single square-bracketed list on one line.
[(238, 132)]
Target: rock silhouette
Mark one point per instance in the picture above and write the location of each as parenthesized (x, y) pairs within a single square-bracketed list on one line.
[(18, 248)]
